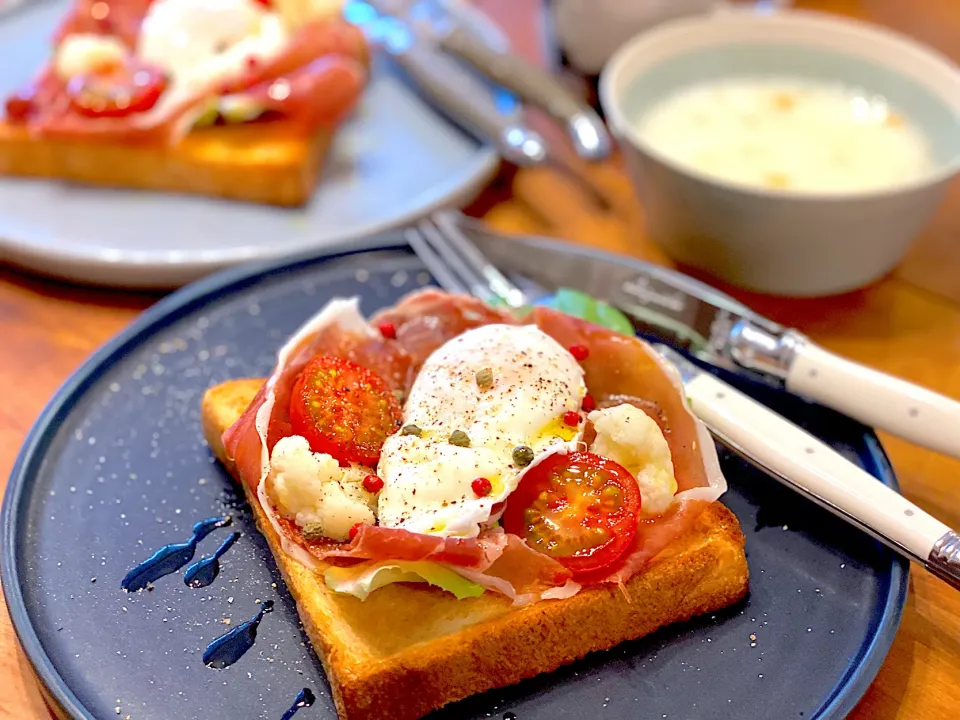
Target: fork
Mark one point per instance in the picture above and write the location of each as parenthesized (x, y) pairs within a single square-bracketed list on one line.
[(457, 264), (783, 450)]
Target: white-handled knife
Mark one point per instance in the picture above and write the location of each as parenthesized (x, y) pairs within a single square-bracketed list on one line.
[(816, 470), (715, 328)]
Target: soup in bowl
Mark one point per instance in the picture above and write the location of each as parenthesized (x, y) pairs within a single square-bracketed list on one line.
[(796, 153)]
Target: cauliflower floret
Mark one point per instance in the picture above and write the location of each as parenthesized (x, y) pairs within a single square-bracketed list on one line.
[(628, 436), (312, 489)]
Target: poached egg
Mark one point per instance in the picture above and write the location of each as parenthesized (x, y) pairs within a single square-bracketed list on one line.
[(498, 387)]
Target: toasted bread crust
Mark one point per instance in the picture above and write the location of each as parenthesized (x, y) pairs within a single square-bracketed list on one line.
[(409, 649), (264, 162)]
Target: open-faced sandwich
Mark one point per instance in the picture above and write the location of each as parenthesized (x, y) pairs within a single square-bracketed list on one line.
[(459, 498), (229, 98)]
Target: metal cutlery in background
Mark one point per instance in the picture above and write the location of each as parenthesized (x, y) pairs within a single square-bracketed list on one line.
[(761, 436), (532, 84), (451, 90), (713, 327)]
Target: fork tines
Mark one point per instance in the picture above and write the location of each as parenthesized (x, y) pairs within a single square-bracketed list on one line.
[(456, 263)]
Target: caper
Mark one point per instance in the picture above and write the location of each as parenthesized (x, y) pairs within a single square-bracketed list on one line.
[(411, 430), (484, 378), (312, 531), (459, 438), (522, 455)]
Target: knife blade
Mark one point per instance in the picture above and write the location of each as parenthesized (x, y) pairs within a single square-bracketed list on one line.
[(713, 327), (803, 463), (449, 88), (456, 94), (537, 86)]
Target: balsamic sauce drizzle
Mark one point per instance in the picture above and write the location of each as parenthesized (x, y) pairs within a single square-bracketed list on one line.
[(230, 647), (170, 558), (304, 698), (204, 571)]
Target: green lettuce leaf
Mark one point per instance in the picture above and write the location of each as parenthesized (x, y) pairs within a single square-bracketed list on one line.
[(578, 304), (231, 108), (361, 580), (581, 305)]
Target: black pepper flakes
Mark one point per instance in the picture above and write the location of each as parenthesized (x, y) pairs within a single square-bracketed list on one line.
[(484, 378), (411, 430), (459, 438), (522, 455)]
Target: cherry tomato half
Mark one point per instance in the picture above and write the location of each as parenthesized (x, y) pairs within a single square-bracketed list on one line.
[(344, 410), (20, 106), (579, 508), (117, 91)]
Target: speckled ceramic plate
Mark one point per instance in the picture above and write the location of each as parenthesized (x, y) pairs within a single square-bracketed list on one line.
[(396, 159), (116, 467)]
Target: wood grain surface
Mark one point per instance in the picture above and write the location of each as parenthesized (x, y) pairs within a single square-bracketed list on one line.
[(907, 324)]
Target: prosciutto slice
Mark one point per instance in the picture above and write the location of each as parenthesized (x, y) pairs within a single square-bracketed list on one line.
[(338, 329), (314, 83), (426, 319), (626, 369), (617, 367)]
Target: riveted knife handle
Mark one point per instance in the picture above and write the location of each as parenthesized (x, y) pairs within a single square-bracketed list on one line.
[(877, 399), (806, 464)]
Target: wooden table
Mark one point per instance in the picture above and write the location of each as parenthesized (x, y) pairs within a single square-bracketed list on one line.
[(907, 324)]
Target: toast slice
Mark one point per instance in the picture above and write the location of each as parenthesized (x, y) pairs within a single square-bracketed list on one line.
[(263, 162), (409, 648)]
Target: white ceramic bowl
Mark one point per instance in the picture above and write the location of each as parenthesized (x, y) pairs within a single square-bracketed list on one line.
[(778, 241)]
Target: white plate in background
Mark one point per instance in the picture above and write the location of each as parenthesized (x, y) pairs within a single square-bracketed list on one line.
[(394, 161)]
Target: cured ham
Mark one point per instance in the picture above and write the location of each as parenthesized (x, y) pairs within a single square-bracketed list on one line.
[(374, 542), (311, 41), (621, 367), (427, 319), (617, 367), (625, 369), (337, 330), (320, 93), (314, 81)]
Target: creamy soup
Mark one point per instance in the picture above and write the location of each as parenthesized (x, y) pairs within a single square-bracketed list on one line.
[(787, 134)]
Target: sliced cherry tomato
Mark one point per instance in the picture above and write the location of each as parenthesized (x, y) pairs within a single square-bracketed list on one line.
[(117, 91), (579, 508), (20, 106), (343, 409)]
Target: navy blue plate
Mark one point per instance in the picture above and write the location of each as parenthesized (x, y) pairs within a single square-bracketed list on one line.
[(116, 467)]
